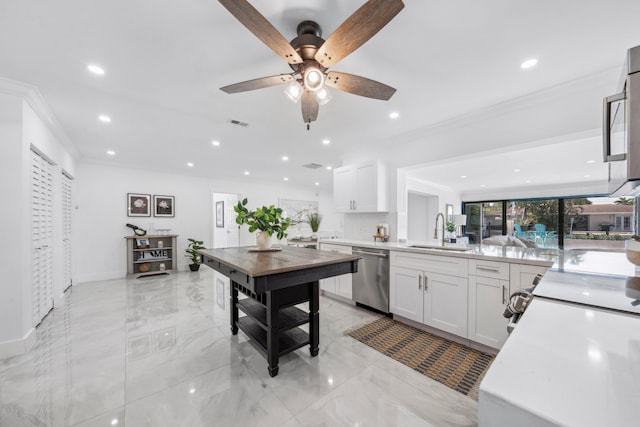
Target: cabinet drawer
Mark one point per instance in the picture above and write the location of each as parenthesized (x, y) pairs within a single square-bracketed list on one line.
[(493, 269), (433, 263), (335, 248)]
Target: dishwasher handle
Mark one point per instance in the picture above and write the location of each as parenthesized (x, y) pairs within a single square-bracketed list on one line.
[(359, 252)]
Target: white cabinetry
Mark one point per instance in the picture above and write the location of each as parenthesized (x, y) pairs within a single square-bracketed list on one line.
[(488, 296), (339, 285), (431, 290), (522, 275), (360, 187)]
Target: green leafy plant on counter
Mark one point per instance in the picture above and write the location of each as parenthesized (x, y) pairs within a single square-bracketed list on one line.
[(314, 219), (192, 251), (268, 219), (450, 227)]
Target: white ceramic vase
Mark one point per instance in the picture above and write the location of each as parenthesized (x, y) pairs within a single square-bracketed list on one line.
[(263, 240)]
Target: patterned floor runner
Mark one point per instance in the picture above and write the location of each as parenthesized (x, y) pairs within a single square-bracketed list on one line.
[(458, 367)]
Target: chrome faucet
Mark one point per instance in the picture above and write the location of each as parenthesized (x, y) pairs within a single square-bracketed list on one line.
[(435, 232)]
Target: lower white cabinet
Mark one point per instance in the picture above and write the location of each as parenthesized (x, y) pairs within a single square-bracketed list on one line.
[(487, 302), (430, 290), (522, 275), (339, 285), (488, 297)]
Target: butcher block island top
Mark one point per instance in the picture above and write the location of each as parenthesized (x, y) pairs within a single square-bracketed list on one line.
[(264, 271), (275, 282)]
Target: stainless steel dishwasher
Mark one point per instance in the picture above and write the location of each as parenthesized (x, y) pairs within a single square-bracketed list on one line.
[(371, 282)]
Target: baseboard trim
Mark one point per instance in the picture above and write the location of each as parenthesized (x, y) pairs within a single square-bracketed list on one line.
[(18, 347)]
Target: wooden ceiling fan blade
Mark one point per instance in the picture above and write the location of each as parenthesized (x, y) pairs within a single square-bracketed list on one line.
[(363, 24), (258, 83), (310, 106), (359, 85), (261, 28)]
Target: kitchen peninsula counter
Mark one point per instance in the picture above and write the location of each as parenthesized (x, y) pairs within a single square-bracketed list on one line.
[(530, 256)]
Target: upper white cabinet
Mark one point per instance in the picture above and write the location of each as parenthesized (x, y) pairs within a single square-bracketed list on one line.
[(361, 187)]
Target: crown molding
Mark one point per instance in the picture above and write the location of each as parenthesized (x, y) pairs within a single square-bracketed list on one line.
[(30, 94)]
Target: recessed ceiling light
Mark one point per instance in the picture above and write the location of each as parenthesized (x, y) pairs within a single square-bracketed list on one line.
[(246, 172), (286, 179), (95, 69), (529, 63), (394, 115), (482, 185), (111, 152), (528, 181), (190, 164), (215, 143), (591, 161), (326, 142), (104, 119), (329, 168), (463, 176), (285, 158), (516, 170), (317, 183), (587, 176)]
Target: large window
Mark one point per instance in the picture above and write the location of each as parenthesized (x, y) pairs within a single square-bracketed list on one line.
[(571, 223)]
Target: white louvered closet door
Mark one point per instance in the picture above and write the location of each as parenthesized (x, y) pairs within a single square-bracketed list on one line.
[(41, 237), (66, 229)]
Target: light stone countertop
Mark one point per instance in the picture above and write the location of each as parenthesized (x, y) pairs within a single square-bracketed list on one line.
[(585, 261), (565, 365)]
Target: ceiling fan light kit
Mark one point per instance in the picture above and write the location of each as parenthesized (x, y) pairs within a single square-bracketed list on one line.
[(310, 56)]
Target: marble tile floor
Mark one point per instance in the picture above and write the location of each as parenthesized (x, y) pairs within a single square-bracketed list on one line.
[(158, 352)]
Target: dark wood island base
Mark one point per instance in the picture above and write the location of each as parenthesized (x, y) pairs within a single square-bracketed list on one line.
[(275, 282)]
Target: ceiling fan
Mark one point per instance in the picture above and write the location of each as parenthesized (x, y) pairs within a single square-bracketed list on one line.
[(310, 56)]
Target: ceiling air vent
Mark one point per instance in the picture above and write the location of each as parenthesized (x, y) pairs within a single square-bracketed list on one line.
[(312, 166), (238, 123)]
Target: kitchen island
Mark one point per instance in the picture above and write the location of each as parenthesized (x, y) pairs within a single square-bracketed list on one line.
[(275, 282)]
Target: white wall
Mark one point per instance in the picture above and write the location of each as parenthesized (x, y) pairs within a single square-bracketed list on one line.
[(22, 127), (99, 223), (15, 252), (417, 214), (407, 185)]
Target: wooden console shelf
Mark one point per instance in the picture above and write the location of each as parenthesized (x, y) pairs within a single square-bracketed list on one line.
[(159, 257)]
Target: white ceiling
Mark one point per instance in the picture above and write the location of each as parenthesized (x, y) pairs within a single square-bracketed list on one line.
[(455, 66)]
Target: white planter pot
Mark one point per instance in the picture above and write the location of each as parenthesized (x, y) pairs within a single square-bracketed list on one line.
[(263, 240)]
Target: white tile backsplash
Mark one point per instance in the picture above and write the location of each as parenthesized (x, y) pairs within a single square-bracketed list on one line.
[(362, 226)]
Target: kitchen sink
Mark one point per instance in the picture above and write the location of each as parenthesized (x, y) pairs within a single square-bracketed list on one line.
[(445, 248)]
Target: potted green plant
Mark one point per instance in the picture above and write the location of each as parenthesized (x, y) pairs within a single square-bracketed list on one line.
[(451, 231), (192, 252), (267, 219), (314, 219)]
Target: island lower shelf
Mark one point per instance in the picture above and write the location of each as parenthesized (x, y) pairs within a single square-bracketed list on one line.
[(290, 336)]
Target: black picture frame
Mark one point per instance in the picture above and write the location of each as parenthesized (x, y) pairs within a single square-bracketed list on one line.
[(220, 214), (164, 206), (138, 204)]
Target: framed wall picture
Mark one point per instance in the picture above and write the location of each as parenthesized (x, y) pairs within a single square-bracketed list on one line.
[(138, 204), (220, 214), (449, 215), (164, 206)]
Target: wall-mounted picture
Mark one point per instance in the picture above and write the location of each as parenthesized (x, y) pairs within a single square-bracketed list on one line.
[(449, 209), (138, 204), (220, 214), (164, 206)]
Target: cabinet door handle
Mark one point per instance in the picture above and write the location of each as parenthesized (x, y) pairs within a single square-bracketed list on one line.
[(426, 283), (355, 205), (419, 282), (492, 269), (504, 294)]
